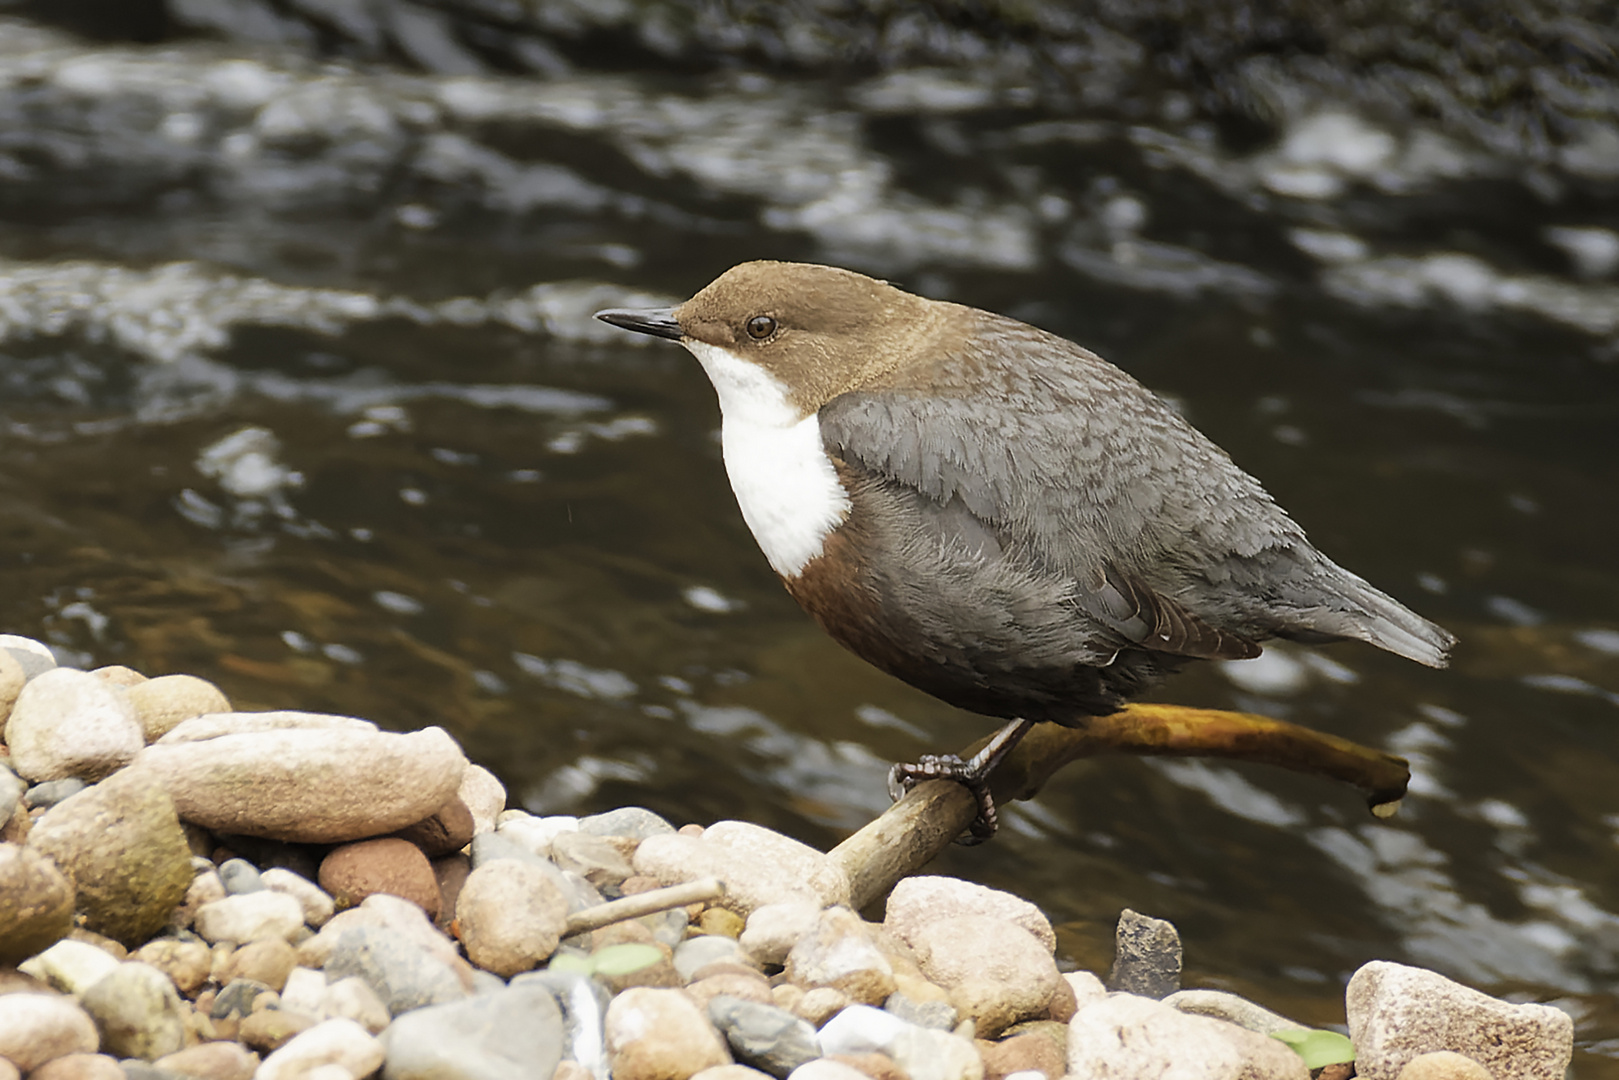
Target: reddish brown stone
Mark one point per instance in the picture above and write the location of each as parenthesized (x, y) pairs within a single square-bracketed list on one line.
[(355, 871)]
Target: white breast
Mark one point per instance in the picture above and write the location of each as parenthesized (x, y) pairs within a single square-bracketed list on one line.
[(784, 482)]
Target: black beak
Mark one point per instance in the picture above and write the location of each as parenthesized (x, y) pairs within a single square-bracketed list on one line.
[(659, 322)]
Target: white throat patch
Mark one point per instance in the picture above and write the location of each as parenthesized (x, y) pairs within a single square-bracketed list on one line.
[(784, 482)]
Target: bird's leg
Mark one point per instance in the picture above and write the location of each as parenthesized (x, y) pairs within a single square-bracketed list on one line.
[(973, 774)]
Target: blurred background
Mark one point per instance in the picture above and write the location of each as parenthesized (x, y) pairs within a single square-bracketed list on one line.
[(299, 392)]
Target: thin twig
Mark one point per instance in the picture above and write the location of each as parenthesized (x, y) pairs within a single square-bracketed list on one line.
[(648, 903)]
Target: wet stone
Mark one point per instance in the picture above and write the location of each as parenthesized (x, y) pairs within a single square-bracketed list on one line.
[(1147, 956), (764, 1036)]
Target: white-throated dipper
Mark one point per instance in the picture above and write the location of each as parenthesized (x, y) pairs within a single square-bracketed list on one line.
[(992, 513)]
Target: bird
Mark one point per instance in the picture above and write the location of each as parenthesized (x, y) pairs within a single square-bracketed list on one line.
[(993, 513)]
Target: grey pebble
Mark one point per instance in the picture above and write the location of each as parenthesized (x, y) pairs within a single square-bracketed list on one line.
[(764, 1036), (929, 1014), (513, 1034), (635, 822), (52, 792), (240, 876), (1147, 956), (236, 999), (404, 975)]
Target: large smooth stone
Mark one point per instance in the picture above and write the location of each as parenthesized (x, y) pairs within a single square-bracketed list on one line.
[(302, 778)]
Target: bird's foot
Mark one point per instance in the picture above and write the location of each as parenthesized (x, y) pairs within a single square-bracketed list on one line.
[(970, 774)]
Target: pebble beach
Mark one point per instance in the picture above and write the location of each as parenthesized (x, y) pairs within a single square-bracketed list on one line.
[(191, 891)]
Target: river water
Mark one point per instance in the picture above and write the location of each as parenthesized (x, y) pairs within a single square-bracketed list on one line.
[(299, 392)]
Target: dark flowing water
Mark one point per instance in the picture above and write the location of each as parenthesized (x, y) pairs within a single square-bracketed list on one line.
[(299, 392)]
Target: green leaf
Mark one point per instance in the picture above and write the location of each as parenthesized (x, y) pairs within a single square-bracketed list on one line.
[(1316, 1047), (625, 958), (572, 962)]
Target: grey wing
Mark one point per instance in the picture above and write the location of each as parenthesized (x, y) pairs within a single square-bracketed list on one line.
[(992, 485), (1088, 474)]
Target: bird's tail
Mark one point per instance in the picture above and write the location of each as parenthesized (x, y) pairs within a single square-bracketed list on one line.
[(1367, 614)]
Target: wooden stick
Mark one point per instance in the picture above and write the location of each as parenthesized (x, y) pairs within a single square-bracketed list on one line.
[(910, 833), (647, 903)]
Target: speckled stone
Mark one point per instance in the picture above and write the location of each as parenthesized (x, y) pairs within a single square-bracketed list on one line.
[(1398, 1012), (121, 845), (36, 903)]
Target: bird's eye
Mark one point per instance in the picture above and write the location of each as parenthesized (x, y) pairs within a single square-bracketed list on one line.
[(761, 327)]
